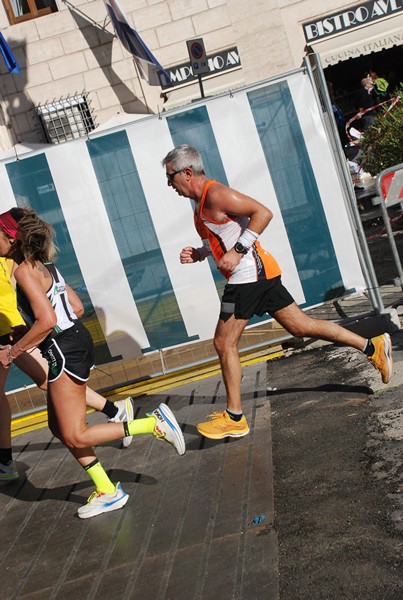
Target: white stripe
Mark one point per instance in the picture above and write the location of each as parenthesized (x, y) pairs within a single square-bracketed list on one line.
[(395, 192), (95, 246), (246, 169), (173, 221)]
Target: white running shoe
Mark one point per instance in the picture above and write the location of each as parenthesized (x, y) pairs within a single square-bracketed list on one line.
[(8, 472), (167, 428), (125, 413), (99, 503)]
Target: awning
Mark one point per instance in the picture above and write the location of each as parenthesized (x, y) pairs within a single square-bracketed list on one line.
[(381, 34)]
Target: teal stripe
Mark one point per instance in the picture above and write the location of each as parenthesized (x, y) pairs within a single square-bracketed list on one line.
[(137, 242), (297, 192), (32, 185)]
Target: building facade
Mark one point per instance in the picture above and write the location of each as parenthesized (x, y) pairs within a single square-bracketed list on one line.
[(75, 75)]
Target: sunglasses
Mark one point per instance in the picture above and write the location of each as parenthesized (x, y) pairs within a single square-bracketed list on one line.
[(170, 176)]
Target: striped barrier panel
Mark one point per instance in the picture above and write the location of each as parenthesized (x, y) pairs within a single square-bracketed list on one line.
[(390, 185)]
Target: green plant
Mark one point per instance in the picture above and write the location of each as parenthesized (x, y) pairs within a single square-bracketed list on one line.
[(382, 143)]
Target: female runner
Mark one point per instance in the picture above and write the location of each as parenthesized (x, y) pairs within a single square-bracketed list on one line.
[(45, 302)]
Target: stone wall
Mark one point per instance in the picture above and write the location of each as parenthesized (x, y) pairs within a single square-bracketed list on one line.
[(75, 49)]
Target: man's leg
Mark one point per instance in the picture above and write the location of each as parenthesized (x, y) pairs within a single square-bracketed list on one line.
[(231, 422), (226, 340), (378, 349), (299, 324)]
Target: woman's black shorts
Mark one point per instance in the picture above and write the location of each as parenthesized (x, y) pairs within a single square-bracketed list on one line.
[(72, 351), (257, 298), (5, 339)]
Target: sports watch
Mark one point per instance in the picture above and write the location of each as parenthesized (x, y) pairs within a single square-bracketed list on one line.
[(240, 248)]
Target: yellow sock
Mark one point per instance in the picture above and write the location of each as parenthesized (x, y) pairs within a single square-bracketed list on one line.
[(98, 475), (137, 426)]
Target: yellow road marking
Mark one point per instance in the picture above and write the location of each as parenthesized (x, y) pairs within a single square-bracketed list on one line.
[(38, 420)]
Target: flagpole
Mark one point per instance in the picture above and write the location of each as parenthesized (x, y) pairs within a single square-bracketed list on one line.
[(141, 87)]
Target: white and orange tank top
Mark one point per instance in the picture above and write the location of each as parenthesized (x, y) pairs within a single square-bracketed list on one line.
[(219, 238)]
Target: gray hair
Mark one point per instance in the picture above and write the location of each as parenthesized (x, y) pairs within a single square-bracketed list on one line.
[(185, 156)]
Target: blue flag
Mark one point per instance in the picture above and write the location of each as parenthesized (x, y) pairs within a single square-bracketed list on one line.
[(8, 56), (149, 67)]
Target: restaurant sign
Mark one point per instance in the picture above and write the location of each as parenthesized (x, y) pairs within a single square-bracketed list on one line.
[(218, 63), (357, 15)]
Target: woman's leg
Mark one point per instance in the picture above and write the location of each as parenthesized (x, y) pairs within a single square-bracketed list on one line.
[(30, 366), (5, 415), (36, 367), (67, 409), (67, 419), (67, 412), (8, 469)]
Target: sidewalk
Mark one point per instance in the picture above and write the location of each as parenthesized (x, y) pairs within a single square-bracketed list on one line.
[(197, 526), (219, 522)]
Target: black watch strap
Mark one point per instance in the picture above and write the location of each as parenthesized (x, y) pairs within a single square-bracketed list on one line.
[(240, 248)]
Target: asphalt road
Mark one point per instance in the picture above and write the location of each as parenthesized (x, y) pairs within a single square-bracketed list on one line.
[(337, 476)]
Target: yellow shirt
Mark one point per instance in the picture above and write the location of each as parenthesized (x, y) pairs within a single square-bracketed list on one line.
[(9, 315)]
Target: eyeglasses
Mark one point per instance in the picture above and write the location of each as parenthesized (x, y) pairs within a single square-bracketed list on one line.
[(170, 176)]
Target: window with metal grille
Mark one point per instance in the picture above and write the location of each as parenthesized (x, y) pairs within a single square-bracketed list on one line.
[(67, 118)]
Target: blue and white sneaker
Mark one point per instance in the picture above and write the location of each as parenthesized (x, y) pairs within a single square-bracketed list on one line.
[(99, 503), (167, 428), (8, 472), (125, 413)]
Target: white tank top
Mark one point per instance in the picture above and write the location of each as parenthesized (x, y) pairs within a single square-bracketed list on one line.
[(58, 298)]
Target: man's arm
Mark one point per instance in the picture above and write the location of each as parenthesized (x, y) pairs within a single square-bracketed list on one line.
[(223, 202), (189, 255)]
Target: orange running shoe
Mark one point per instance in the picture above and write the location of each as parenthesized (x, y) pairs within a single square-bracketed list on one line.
[(382, 357), (221, 426)]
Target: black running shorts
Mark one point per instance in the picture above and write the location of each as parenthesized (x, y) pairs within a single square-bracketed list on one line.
[(257, 298), (72, 351), (5, 339)]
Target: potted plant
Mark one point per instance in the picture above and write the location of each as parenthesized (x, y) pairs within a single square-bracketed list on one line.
[(382, 143)]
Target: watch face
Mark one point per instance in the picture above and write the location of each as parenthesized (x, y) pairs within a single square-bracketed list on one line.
[(240, 248)]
